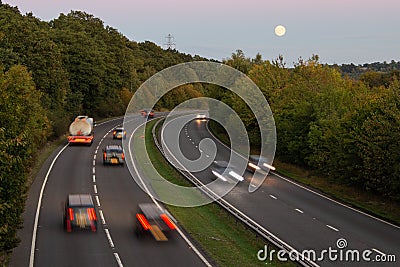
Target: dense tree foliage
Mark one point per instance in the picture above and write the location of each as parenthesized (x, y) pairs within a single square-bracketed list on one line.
[(346, 129), (52, 71)]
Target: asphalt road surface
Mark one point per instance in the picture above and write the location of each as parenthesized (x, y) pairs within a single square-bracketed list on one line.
[(304, 219), (79, 169)]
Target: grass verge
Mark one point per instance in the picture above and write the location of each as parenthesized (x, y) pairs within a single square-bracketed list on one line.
[(367, 202), (227, 241)]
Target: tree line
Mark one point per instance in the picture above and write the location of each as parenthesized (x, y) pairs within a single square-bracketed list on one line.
[(51, 72), (347, 128), (344, 128)]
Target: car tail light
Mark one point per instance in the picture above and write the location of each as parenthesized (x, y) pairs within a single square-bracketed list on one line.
[(71, 214), (168, 221), (143, 221), (104, 155), (123, 156), (91, 214), (115, 132)]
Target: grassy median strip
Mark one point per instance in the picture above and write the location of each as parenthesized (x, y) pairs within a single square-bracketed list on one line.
[(227, 241)]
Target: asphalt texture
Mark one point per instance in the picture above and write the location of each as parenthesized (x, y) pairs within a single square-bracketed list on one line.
[(79, 169)]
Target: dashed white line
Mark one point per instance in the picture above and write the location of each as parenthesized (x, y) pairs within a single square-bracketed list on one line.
[(94, 178), (95, 189), (97, 200), (103, 220), (109, 238), (95, 151), (94, 157), (377, 251), (118, 259), (94, 162), (298, 210), (94, 170), (333, 228), (274, 197)]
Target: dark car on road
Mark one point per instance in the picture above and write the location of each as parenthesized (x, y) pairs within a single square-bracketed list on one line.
[(119, 133), (151, 220), (113, 154), (80, 213)]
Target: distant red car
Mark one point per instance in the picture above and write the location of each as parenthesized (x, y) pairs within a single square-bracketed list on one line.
[(147, 113)]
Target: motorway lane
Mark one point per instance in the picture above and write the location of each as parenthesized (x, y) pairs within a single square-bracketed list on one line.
[(114, 244), (301, 218)]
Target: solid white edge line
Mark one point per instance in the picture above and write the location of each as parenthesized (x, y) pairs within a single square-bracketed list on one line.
[(117, 258), (33, 244), (190, 244), (109, 238), (311, 191)]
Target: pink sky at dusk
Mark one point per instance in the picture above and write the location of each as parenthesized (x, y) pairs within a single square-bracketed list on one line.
[(341, 31)]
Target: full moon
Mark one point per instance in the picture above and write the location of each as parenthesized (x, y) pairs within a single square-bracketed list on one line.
[(280, 30)]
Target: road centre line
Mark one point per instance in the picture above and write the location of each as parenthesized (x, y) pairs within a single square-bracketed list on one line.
[(298, 210), (103, 220), (97, 200), (308, 189), (333, 228), (377, 251), (109, 238)]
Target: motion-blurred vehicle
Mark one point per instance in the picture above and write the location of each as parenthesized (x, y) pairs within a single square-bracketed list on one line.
[(147, 113), (81, 131), (257, 162), (80, 213), (151, 220), (119, 133), (201, 117), (113, 154), (224, 172)]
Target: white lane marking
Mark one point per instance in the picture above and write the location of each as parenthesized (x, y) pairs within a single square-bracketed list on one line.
[(274, 197), (118, 259), (298, 210), (97, 200), (94, 178), (377, 251), (333, 228), (94, 162), (190, 244), (109, 238), (94, 170), (308, 189), (94, 157), (95, 189), (95, 151), (39, 204), (103, 220), (207, 156)]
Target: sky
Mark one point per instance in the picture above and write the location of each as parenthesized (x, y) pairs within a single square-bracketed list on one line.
[(338, 31)]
